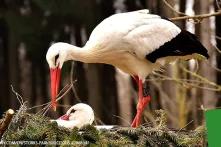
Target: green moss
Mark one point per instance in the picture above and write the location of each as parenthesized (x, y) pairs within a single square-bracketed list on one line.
[(25, 126), (90, 133)]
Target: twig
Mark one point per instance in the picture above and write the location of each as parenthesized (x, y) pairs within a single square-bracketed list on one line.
[(64, 89), (121, 118), (73, 88), (217, 37), (178, 80), (186, 125), (218, 4), (196, 17), (6, 121), (171, 7), (69, 88), (37, 106), (202, 78), (217, 49), (98, 120), (192, 83), (46, 108), (164, 94), (197, 66), (214, 67), (18, 96), (203, 108)]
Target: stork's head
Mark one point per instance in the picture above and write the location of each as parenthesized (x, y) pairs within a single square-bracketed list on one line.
[(56, 56), (81, 113)]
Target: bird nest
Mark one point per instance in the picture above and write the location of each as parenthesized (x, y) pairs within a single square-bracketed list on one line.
[(26, 128)]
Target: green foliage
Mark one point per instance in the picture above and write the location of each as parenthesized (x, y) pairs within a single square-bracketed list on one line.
[(161, 118), (34, 127), (38, 128), (90, 133)]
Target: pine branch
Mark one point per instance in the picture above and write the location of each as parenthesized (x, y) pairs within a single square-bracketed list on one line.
[(39, 128)]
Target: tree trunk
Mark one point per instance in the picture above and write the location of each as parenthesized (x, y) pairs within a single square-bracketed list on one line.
[(13, 67), (94, 89), (25, 72), (218, 43), (4, 78), (124, 97), (209, 98), (123, 82), (171, 88)]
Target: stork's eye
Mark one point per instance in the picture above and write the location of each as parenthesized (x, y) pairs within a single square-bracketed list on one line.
[(72, 111), (56, 58)]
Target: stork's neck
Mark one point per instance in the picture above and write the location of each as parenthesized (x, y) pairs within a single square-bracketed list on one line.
[(81, 54)]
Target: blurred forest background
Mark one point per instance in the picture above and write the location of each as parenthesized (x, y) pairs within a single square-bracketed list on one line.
[(29, 27)]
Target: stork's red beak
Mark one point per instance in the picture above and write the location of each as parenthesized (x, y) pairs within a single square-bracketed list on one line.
[(64, 117), (55, 82)]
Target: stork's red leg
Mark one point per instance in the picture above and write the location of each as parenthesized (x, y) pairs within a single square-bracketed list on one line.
[(136, 78), (143, 100)]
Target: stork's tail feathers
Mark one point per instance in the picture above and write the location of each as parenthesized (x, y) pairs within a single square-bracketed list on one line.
[(185, 43), (197, 46)]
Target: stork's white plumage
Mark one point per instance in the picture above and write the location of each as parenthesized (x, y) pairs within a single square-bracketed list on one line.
[(77, 116), (135, 42)]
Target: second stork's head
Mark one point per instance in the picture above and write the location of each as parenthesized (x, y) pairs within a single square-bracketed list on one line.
[(57, 54), (82, 114)]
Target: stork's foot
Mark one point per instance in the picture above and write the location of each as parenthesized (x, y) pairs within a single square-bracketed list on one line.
[(140, 108)]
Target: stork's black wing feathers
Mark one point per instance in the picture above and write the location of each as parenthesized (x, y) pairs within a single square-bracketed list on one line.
[(185, 43)]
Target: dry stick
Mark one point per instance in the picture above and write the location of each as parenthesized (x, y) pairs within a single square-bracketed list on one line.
[(202, 78), (171, 7), (178, 80), (218, 4), (166, 97), (151, 119), (217, 37), (185, 126), (98, 120), (59, 98), (38, 106), (6, 121), (48, 102), (19, 97), (214, 67), (205, 88), (122, 119), (73, 88), (218, 50), (197, 66), (196, 17), (64, 106), (202, 108), (187, 84)]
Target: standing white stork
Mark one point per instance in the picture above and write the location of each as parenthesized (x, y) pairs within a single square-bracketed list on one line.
[(135, 42)]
